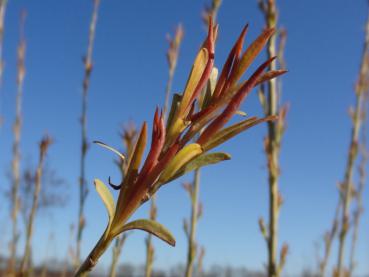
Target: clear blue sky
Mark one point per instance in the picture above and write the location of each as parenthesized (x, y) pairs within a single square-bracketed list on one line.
[(323, 54)]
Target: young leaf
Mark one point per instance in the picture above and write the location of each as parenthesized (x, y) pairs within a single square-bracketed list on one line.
[(251, 52), (106, 197), (233, 130), (151, 227), (201, 161), (195, 75), (185, 155)]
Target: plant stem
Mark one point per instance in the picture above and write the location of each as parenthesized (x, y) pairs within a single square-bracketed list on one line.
[(16, 147), (194, 216), (352, 154), (25, 265), (93, 257), (272, 144), (2, 17), (84, 143)]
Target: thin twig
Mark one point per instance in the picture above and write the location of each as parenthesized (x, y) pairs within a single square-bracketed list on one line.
[(271, 94), (2, 19), (83, 191), (347, 186), (26, 261), (16, 146)]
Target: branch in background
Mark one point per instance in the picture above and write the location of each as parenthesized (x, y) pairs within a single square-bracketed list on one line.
[(358, 195), (172, 58), (190, 228), (26, 261), (83, 191), (129, 137), (346, 192), (70, 252), (200, 262), (15, 202), (117, 251), (328, 241), (211, 11), (2, 19), (270, 95)]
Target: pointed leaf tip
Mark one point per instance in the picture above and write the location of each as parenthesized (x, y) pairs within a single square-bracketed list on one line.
[(152, 227)]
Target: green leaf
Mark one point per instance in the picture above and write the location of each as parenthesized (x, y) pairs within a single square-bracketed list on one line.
[(233, 130), (110, 148), (185, 155), (201, 161), (173, 109), (106, 197), (150, 226)]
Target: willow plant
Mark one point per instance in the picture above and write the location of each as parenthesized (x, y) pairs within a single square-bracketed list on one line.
[(3, 4), (128, 136), (26, 261), (83, 191), (15, 202), (347, 185), (210, 11), (172, 58), (270, 99), (172, 152), (357, 213)]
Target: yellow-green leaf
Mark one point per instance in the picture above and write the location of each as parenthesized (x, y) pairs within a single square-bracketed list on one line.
[(150, 226), (174, 108), (233, 130), (195, 76), (209, 89), (201, 161), (185, 155), (106, 197)]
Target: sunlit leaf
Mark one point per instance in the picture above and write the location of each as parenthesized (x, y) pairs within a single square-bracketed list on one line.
[(233, 130), (150, 226), (270, 75), (185, 155), (252, 52), (106, 197), (201, 161), (195, 76)]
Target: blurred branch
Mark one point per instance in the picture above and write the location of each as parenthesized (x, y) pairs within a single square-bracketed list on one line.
[(270, 95), (25, 264), (347, 186), (83, 191), (16, 146)]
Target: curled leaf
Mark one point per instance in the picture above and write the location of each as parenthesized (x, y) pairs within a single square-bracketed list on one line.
[(110, 148), (150, 226)]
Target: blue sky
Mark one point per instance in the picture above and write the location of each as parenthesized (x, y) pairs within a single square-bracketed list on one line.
[(322, 54)]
